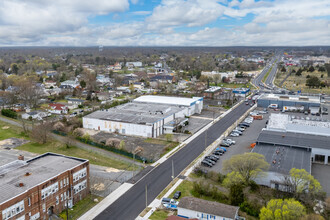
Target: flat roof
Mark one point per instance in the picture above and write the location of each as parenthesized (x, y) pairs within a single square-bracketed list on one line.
[(136, 113), (294, 139), (213, 89), (41, 168), (283, 159), (285, 122), (294, 98), (209, 207), (170, 100)]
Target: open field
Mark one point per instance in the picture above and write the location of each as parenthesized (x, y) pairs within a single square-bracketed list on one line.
[(8, 131), (296, 83)]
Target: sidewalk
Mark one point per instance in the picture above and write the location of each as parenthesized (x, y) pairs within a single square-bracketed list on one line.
[(107, 201), (156, 203)]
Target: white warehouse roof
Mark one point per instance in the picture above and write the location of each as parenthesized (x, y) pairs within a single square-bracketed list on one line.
[(169, 100)]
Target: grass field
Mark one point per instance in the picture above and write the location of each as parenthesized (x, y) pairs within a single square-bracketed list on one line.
[(296, 83), (159, 215), (8, 131), (81, 207)]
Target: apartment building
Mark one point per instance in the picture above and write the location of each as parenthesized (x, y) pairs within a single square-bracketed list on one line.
[(42, 186)]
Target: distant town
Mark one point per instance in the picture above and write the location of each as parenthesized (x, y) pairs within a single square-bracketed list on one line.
[(164, 133)]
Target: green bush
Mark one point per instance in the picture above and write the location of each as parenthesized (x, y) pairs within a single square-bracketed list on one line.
[(236, 195), (9, 113), (250, 209), (253, 186), (208, 190)]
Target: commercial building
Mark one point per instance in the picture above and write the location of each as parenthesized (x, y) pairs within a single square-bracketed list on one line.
[(146, 116), (190, 207), (42, 186), (212, 93), (290, 123), (287, 150), (243, 92), (194, 105), (139, 119), (282, 101)]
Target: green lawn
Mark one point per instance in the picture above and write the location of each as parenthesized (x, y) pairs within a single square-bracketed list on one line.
[(81, 207), (8, 131), (185, 187), (159, 215)]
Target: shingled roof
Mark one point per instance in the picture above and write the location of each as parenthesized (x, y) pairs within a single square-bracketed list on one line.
[(209, 207)]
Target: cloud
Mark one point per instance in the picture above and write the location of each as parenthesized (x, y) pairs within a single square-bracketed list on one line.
[(171, 23), (189, 13)]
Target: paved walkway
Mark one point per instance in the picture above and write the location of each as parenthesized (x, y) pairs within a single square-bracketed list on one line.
[(96, 210)]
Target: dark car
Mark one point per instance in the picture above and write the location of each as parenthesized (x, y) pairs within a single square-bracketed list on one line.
[(177, 195), (206, 163), (217, 153), (210, 158)]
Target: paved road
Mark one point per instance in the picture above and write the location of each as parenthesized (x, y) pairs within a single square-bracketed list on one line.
[(129, 205)]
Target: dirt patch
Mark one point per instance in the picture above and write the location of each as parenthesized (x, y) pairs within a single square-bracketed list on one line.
[(12, 142), (5, 127), (149, 150)]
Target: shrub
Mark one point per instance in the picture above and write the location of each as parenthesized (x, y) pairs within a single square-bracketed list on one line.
[(253, 186), (9, 113), (236, 195), (250, 209)]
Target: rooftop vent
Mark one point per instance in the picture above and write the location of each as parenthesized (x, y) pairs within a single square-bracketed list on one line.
[(20, 157), (27, 174), (20, 185)]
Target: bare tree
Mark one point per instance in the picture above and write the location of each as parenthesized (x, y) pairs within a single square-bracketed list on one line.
[(41, 132)]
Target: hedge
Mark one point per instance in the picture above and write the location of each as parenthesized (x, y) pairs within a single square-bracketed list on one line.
[(9, 113)]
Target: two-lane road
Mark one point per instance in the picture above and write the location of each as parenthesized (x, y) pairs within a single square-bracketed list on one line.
[(129, 205)]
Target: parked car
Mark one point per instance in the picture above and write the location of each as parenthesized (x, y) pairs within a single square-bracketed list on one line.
[(244, 124), (211, 158), (238, 132), (206, 163), (214, 156), (210, 161), (177, 195), (223, 148), (224, 144), (218, 153), (230, 141), (169, 201), (233, 134), (240, 128)]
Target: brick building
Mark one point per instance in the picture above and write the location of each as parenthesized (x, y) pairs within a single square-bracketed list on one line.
[(41, 186), (213, 92)]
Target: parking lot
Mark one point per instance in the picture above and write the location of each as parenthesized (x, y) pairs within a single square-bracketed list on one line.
[(243, 142)]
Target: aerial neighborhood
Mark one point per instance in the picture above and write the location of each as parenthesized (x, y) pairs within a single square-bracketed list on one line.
[(218, 133)]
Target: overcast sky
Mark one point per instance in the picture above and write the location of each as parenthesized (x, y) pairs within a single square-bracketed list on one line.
[(164, 22)]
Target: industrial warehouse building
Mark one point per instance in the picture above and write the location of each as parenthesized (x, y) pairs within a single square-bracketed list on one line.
[(193, 105), (41, 186), (282, 101), (146, 116), (290, 143)]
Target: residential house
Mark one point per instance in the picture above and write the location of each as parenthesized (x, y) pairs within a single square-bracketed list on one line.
[(38, 115), (57, 108), (155, 80), (133, 64), (73, 101), (70, 84), (138, 85), (117, 66), (49, 84), (190, 207)]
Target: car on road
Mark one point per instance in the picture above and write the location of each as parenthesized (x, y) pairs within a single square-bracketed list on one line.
[(177, 195), (246, 103), (206, 163)]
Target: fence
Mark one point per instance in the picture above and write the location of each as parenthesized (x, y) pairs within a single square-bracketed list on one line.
[(108, 148)]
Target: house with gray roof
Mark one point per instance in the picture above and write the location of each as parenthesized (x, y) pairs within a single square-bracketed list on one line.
[(190, 207)]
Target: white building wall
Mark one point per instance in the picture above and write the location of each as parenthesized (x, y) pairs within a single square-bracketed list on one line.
[(267, 177), (120, 127), (199, 215), (320, 151)]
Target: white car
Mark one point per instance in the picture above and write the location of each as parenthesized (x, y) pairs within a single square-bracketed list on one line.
[(230, 141), (233, 134)]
